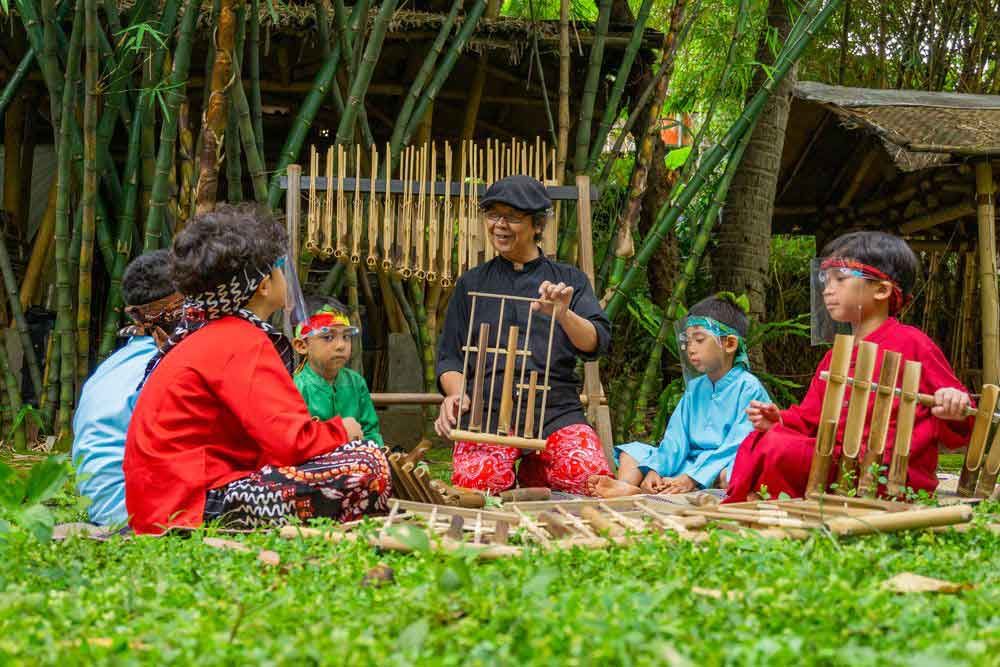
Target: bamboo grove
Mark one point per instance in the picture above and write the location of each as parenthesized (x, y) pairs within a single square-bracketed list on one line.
[(125, 69)]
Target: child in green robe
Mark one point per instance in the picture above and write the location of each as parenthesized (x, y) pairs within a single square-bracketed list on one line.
[(328, 387)]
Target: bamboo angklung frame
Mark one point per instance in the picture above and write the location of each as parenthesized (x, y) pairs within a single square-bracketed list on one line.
[(486, 431), (909, 398)]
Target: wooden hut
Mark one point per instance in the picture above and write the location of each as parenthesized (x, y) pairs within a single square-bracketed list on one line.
[(918, 164)]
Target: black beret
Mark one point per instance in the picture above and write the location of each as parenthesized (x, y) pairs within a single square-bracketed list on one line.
[(521, 192)]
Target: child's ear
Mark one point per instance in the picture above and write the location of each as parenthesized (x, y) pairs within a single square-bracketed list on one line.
[(264, 289), (300, 346), (883, 291), (731, 344)]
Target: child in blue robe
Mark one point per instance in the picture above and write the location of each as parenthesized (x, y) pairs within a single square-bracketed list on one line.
[(710, 421)]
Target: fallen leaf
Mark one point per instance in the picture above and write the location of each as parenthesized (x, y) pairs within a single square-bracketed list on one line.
[(268, 557), (219, 543), (907, 582)]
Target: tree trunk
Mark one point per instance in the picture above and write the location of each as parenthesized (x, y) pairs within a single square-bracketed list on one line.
[(744, 242), (666, 261)]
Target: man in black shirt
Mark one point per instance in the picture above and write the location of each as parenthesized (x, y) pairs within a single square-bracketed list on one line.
[(516, 209)]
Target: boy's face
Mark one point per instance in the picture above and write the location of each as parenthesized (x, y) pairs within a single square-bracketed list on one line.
[(849, 297), (705, 352), (327, 352)]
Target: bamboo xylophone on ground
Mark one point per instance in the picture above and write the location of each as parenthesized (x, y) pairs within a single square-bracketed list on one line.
[(600, 523)]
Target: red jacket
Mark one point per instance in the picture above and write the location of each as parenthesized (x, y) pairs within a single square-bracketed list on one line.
[(219, 407)]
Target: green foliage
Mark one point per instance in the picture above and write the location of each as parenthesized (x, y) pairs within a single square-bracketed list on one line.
[(778, 602), (22, 496)]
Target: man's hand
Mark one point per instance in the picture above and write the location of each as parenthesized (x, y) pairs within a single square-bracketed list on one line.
[(559, 294), (353, 428), (763, 416), (679, 484), (950, 403), (651, 482), (448, 414)]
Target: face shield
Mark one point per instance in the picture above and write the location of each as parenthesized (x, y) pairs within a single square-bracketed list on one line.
[(837, 297), (701, 342), (327, 323), (295, 312)]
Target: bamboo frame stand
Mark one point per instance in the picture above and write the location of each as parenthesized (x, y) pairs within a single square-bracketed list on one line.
[(886, 393), (411, 482), (482, 428)]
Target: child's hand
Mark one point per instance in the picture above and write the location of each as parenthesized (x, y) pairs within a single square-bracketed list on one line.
[(651, 482), (353, 428), (950, 403), (763, 416), (679, 484)]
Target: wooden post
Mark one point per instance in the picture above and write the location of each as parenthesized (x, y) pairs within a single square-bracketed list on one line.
[(879, 429), (529, 413), (597, 414), (904, 429), (988, 477), (986, 215), (977, 443), (840, 364), (861, 389)]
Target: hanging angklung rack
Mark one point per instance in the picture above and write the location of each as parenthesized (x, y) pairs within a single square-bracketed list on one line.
[(416, 214)]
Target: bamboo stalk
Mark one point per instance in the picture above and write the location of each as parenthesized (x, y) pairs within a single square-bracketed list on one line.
[(347, 30), (13, 400), (990, 301), (590, 85), (668, 214), (833, 399), (10, 90), (359, 85), (443, 71), (861, 388), (10, 284), (905, 416), (894, 521), (256, 104), (39, 251), (168, 134)]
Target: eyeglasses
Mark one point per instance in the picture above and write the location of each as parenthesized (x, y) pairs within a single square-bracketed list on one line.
[(512, 219)]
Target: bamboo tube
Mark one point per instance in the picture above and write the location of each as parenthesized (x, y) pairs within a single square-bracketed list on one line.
[(340, 247), (475, 221), (890, 522), (988, 476), (479, 378), (986, 217), (833, 398), (407, 213), (421, 492), (526, 494), (448, 237), (977, 442), (419, 220), (490, 174), (329, 241), (861, 388), (433, 228), (507, 393), (529, 414), (458, 435), (357, 212), (424, 482), (879, 428), (463, 261), (488, 251), (39, 251), (373, 211), (600, 522), (313, 217), (387, 210), (905, 416)]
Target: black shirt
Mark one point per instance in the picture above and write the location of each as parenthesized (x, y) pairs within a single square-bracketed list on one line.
[(498, 276)]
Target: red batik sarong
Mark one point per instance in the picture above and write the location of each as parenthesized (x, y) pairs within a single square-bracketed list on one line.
[(571, 455)]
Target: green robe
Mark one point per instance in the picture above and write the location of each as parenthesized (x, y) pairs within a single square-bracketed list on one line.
[(347, 396)]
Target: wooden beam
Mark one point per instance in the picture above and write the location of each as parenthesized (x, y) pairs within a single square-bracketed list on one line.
[(986, 215), (938, 217), (859, 176)]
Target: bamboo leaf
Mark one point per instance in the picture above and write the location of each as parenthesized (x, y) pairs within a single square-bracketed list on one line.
[(676, 158)]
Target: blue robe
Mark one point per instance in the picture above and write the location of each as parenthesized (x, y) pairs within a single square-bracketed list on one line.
[(99, 427), (704, 431)]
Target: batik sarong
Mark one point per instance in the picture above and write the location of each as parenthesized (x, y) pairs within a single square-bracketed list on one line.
[(345, 484)]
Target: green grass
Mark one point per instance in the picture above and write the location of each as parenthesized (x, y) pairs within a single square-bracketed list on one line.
[(176, 600)]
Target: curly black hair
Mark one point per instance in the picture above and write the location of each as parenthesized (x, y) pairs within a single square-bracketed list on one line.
[(147, 278), (889, 254), (218, 245), (722, 310)]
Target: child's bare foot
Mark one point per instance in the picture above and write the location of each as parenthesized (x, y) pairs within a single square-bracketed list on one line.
[(608, 487)]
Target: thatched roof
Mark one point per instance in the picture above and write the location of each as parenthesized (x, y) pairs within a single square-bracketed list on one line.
[(857, 157)]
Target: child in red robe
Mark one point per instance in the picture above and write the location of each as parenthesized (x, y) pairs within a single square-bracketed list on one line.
[(219, 430), (868, 279)]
